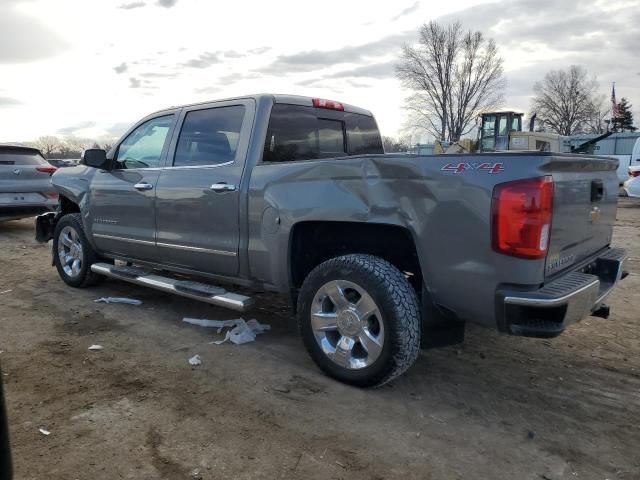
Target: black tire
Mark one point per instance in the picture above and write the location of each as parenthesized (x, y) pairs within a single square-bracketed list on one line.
[(85, 277), (398, 305)]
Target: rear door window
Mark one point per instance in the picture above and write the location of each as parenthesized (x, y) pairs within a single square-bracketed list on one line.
[(299, 132), (21, 157), (209, 137)]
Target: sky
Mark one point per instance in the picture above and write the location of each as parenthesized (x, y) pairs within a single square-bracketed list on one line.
[(91, 68)]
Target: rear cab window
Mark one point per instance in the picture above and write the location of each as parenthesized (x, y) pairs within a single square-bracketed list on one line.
[(21, 157), (298, 132)]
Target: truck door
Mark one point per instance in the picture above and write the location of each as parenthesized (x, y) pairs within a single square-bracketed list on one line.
[(121, 206), (198, 194)]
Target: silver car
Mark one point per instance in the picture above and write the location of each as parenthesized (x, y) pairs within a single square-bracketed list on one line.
[(25, 183)]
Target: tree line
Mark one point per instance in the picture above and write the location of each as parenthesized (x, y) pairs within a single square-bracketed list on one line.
[(69, 147), (453, 75)]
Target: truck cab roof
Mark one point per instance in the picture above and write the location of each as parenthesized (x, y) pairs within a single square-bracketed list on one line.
[(277, 98)]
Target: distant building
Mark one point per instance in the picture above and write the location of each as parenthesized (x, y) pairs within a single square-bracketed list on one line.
[(615, 144), (422, 149)]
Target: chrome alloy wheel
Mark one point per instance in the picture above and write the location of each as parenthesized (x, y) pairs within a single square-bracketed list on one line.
[(347, 324), (70, 251)]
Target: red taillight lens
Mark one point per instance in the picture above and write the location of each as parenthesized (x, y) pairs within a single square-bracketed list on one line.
[(52, 195), (46, 169), (522, 212), (634, 173), (329, 104)]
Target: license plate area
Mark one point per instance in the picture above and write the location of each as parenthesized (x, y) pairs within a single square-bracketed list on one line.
[(20, 198)]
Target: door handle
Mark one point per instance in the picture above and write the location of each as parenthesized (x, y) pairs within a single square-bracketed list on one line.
[(143, 186), (222, 187)]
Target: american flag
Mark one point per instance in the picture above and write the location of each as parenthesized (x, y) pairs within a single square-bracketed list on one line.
[(615, 111)]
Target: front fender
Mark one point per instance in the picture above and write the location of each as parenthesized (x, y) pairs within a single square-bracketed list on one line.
[(74, 183)]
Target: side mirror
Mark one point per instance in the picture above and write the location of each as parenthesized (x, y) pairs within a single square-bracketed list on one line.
[(95, 157)]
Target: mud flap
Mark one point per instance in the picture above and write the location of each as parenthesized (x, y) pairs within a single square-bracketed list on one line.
[(440, 328), (45, 225)]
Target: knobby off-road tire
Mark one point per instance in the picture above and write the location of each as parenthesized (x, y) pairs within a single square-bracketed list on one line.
[(73, 254), (360, 320)]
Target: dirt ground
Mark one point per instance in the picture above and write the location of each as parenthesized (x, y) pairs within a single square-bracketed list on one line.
[(495, 407)]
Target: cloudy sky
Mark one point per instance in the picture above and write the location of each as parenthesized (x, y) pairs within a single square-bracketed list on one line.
[(90, 68)]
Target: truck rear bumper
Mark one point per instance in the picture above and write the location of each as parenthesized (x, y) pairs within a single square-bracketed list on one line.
[(547, 311)]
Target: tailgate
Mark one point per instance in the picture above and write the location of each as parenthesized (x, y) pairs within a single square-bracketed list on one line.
[(584, 208)]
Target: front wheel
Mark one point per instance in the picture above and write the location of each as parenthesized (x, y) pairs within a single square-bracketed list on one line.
[(73, 254), (360, 319)]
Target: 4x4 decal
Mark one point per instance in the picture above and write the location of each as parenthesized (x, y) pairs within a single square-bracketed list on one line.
[(464, 167)]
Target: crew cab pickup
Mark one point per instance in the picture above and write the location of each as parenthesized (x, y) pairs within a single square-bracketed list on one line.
[(381, 254)]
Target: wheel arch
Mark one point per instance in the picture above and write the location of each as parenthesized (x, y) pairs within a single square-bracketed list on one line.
[(67, 205), (330, 239)]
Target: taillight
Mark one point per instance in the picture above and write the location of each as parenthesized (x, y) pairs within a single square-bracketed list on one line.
[(634, 173), (521, 216), (329, 104), (52, 195), (46, 169)]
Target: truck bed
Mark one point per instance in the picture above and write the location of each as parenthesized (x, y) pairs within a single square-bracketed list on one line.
[(445, 202)]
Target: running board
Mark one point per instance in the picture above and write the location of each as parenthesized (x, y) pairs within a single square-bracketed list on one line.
[(193, 290)]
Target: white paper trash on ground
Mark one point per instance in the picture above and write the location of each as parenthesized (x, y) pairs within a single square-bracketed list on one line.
[(95, 348), (244, 332), (241, 331), (128, 301), (44, 432), (195, 360)]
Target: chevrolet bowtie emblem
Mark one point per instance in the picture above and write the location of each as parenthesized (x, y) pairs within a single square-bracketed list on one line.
[(595, 214)]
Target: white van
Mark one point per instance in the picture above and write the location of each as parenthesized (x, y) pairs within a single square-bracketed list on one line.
[(627, 161)]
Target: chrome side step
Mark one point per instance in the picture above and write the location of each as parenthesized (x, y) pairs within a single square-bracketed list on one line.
[(226, 299)]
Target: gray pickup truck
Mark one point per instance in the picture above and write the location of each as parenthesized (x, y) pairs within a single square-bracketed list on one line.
[(381, 254)]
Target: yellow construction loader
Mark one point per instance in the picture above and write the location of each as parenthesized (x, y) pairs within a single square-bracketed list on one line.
[(501, 131)]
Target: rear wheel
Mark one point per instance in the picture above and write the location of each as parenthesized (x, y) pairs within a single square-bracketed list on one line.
[(73, 255), (359, 319)]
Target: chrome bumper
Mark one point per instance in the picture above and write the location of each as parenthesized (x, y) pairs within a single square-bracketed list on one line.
[(547, 311)]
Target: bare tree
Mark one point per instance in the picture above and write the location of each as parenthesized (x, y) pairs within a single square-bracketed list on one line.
[(595, 122), (78, 144), (47, 145), (566, 99), (454, 75), (392, 145)]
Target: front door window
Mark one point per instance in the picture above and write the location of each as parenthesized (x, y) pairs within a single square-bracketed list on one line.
[(143, 147)]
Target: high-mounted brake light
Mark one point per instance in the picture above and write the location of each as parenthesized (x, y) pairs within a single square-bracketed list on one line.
[(46, 169), (328, 104), (521, 217)]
